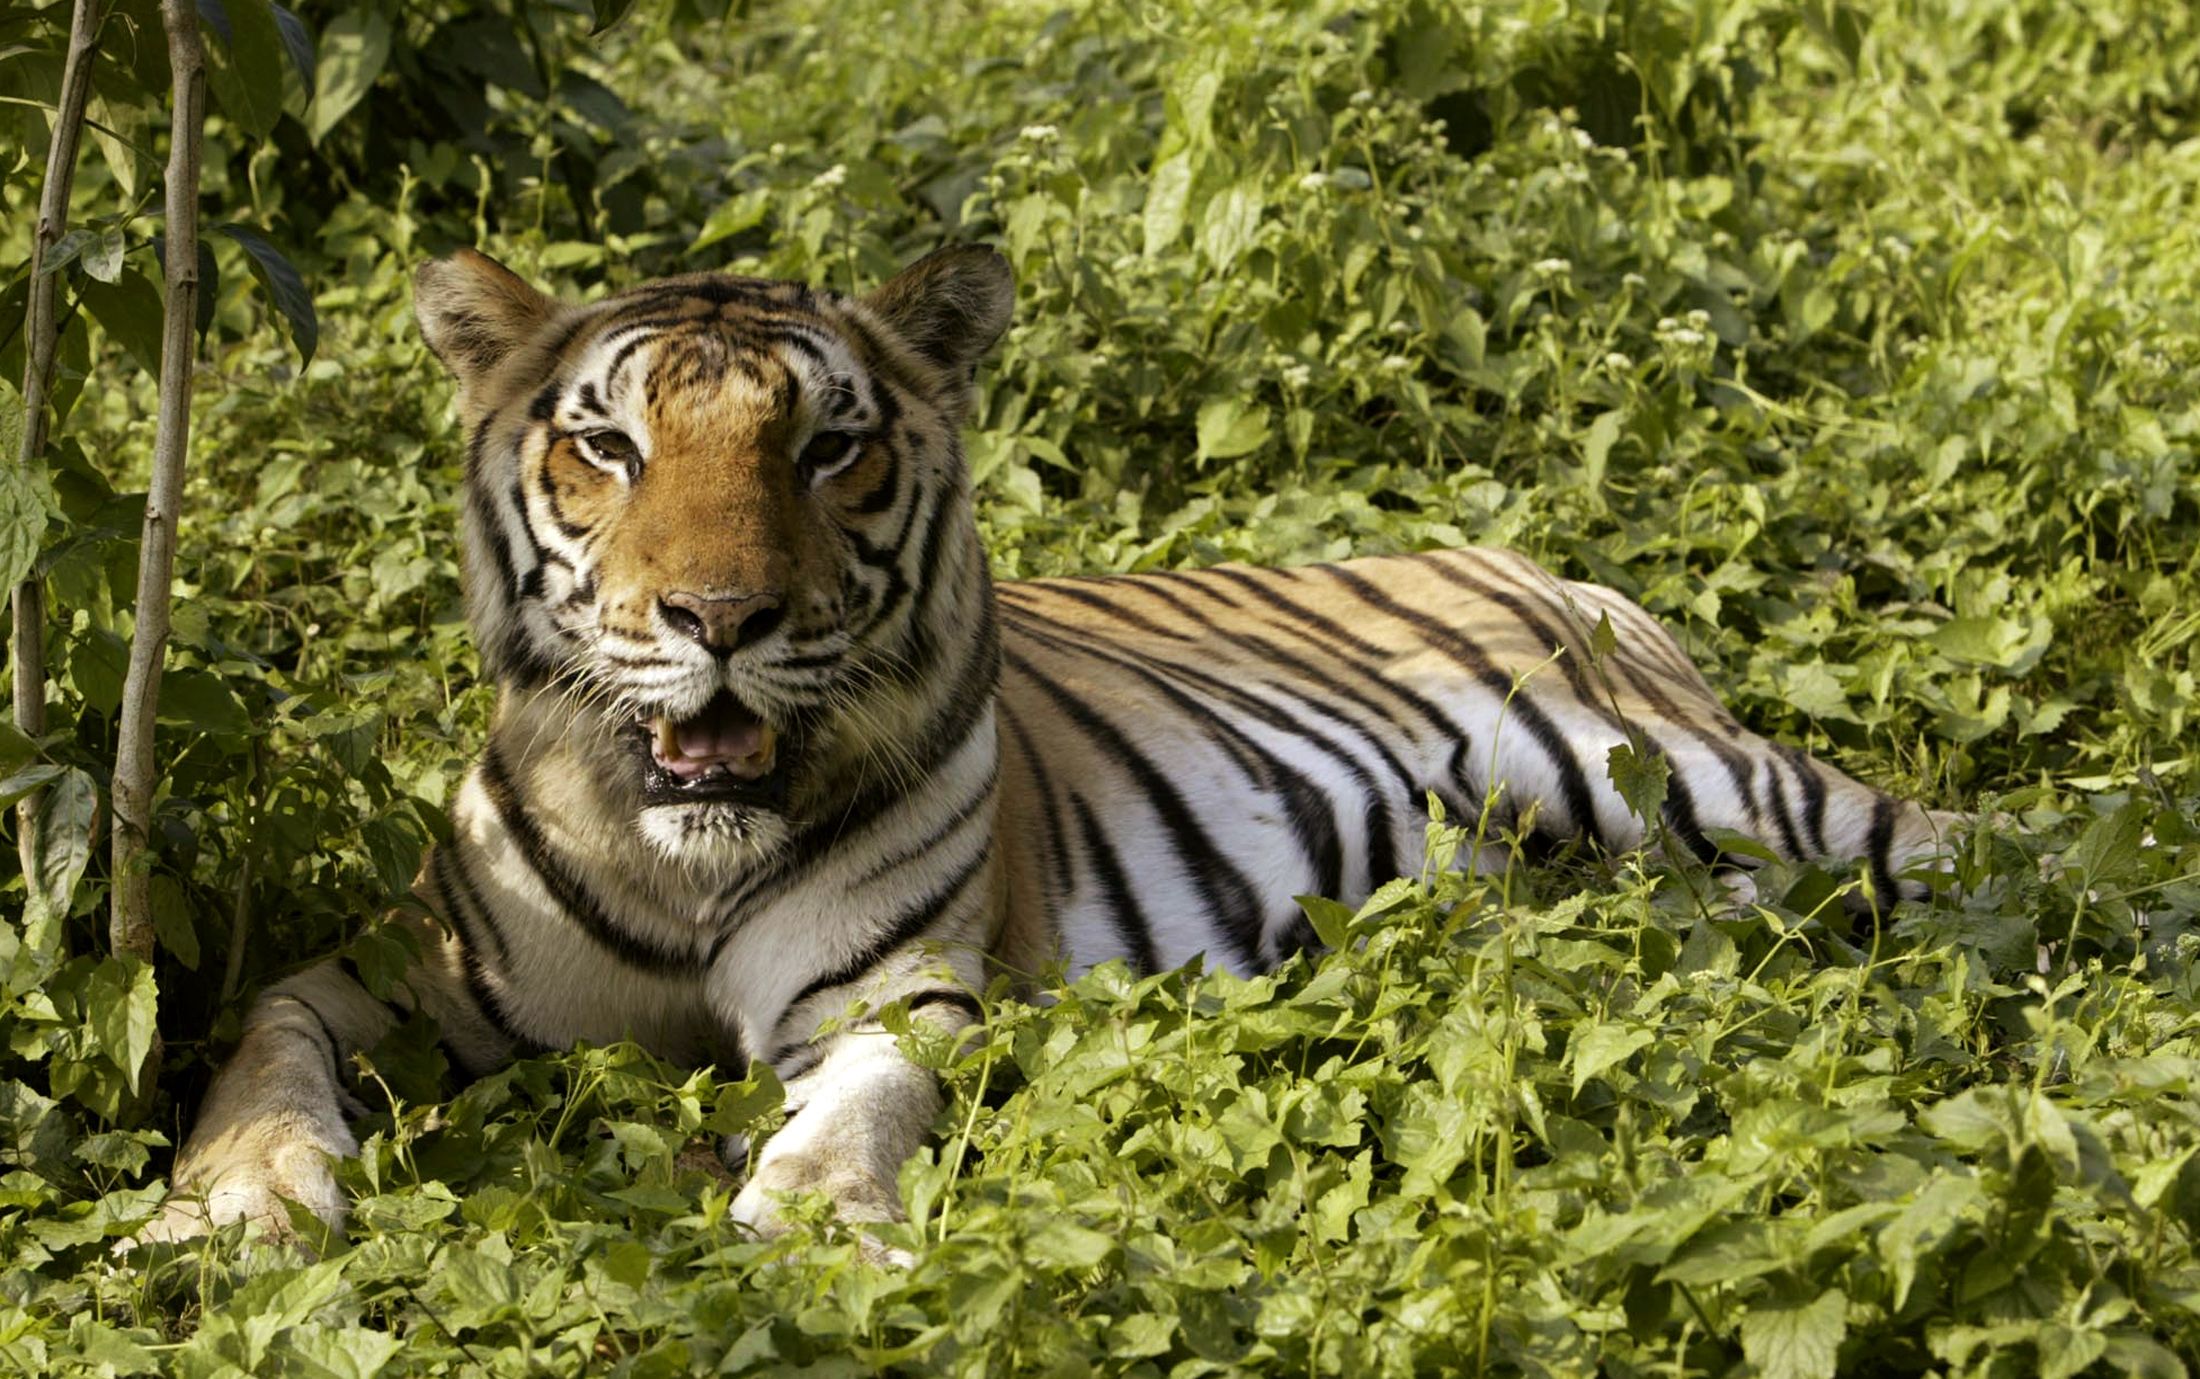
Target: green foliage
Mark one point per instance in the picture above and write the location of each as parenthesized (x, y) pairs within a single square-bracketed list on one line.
[(1856, 340)]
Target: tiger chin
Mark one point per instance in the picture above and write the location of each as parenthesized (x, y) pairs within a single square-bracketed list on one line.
[(773, 754)]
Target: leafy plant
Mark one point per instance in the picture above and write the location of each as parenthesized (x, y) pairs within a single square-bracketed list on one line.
[(1858, 341)]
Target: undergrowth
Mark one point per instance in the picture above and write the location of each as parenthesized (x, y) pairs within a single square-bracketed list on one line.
[(1857, 341)]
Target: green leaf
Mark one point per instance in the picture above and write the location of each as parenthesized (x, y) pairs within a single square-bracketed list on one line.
[(1168, 192), (1596, 448), (1603, 641), (1331, 919), (1640, 778), (744, 212), (102, 257), (297, 44), (201, 701), (607, 13), (2108, 850), (1229, 427), (283, 286), (2009, 643), (173, 922), (66, 817), (245, 69), (355, 46), (22, 516), (1796, 1340), (1232, 221), (1060, 1244), (122, 1000), (25, 780), (1604, 1047), (130, 311)]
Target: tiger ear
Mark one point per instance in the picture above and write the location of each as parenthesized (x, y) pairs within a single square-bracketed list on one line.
[(950, 305), (474, 312)]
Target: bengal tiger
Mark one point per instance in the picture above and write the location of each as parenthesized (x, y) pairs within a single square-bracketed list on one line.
[(772, 753)]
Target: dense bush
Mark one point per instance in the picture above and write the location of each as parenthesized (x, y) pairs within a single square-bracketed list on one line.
[(1856, 340)]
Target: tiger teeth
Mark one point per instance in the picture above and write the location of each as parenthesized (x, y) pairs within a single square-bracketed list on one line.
[(767, 744), (668, 741)]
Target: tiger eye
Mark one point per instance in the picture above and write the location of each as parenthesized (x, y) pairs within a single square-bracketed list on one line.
[(826, 451), (612, 450)]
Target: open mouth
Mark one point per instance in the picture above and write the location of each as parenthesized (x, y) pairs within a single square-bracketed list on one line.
[(725, 753)]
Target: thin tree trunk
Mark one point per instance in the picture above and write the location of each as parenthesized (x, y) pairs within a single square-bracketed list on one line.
[(39, 339), (130, 926)]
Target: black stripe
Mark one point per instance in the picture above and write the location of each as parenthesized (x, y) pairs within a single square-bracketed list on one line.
[(1230, 897), (1573, 782), (565, 889), (1056, 857), (948, 828), (1298, 619), (1776, 790), (1382, 848), (1307, 805), (468, 917), (1878, 847), (907, 926), (1125, 914), (1814, 795)]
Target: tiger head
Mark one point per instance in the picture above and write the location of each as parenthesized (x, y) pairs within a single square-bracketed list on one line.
[(718, 532)]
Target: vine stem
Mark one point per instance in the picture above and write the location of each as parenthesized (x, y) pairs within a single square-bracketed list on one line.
[(41, 335), (130, 925)]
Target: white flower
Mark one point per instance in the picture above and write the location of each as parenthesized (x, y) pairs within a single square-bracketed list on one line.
[(1582, 139), (1699, 318), (1297, 376), (1635, 281), (1363, 96), (1038, 133), (1313, 181), (1552, 268), (1685, 336), (1395, 363), (830, 178), (1617, 362)]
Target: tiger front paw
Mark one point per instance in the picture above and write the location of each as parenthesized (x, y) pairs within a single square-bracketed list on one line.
[(252, 1175), (858, 1196)]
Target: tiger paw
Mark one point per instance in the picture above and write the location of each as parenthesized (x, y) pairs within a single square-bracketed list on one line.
[(859, 1198), (252, 1177)]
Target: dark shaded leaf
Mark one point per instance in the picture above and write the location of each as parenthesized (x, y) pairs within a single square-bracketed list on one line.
[(284, 287), (129, 310)]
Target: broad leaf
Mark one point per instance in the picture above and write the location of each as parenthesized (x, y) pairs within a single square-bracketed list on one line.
[(284, 287), (355, 46)]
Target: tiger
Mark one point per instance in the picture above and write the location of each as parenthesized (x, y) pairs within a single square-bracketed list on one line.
[(773, 758)]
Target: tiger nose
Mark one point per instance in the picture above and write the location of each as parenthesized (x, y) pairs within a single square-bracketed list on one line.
[(720, 624)]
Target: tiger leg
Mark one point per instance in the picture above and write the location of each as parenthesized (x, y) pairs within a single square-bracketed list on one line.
[(277, 1116), (856, 1110), (1801, 810), (854, 1119)]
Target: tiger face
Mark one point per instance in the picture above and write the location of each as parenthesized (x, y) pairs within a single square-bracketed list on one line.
[(716, 527)]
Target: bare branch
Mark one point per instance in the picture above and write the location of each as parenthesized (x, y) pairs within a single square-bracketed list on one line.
[(40, 335), (130, 925)]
